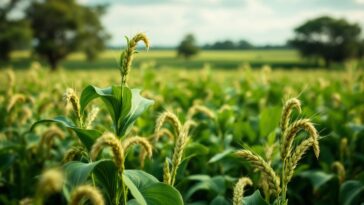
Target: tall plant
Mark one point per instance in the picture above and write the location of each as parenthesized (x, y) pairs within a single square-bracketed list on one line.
[(85, 163)]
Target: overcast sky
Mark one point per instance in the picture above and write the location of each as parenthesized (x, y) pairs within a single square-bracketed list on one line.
[(258, 21)]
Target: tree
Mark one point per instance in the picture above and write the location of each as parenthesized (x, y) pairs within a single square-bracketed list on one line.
[(334, 40), (62, 27), (188, 47), (243, 44), (15, 33)]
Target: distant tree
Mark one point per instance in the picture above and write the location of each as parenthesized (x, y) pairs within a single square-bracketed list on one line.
[(361, 49), (224, 45), (14, 33), (62, 27), (229, 45), (334, 40), (188, 48), (243, 44)]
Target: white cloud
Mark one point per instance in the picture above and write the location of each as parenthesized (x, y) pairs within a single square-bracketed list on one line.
[(254, 20), (359, 1)]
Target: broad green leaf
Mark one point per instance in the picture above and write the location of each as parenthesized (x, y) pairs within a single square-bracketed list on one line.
[(148, 191), (113, 103), (254, 199), (124, 105), (199, 177), (271, 138), (138, 105), (268, 120), (78, 172), (215, 184), (161, 194), (136, 180), (351, 192), (106, 175), (194, 149), (126, 96), (221, 155), (317, 178), (86, 136), (140, 178), (90, 93), (219, 200)]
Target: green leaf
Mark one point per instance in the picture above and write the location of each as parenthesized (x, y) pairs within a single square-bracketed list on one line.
[(110, 96), (148, 191), (221, 155), (268, 120), (254, 199), (138, 105), (219, 200), (90, 93), (124, 105), (108, 179), (351, 192), (317, 178), (215, 184), (87, 137), (78, 172)]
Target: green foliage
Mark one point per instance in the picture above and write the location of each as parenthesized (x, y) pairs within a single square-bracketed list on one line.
[(62, 27), (187, 48), (334, 40), (15, 33), (245, 105), (254, 199)]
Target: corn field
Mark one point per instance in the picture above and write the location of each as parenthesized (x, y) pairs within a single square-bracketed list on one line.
[(184, 138)]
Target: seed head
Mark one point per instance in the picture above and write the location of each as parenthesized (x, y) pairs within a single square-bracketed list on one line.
[(166, 173), (340, 169), (287, 110), (91, 117), (292, 161), (168, 117), (179, 148), (291, 132), (71, 154), (51, 181), (70, 96), (108, 139), (263, 166), (126, 57), (194, 110), (14, 99), (49, 135), (147, 146), (163, 132), (88, 192), (239, 190)]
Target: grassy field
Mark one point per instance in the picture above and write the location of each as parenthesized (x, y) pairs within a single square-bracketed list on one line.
[(168, 59)]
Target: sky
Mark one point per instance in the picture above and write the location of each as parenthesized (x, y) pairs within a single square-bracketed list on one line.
[(260, 22)]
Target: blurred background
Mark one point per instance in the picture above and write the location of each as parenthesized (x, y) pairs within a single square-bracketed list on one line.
[(88, 34)]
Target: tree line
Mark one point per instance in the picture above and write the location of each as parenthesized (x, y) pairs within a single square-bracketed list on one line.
[(326, 38)]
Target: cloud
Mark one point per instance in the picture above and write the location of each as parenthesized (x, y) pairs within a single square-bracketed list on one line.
[(255, 20), (359, 1)]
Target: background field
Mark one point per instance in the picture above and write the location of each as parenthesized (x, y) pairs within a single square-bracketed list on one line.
[(168, 58)]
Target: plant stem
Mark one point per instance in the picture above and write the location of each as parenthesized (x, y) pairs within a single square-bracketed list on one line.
[(284, 185)]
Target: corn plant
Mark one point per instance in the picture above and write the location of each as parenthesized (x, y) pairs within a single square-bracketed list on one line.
[(290, 155), (89, 165)]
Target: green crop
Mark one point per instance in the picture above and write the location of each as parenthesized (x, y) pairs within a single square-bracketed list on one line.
[(176, 141)]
